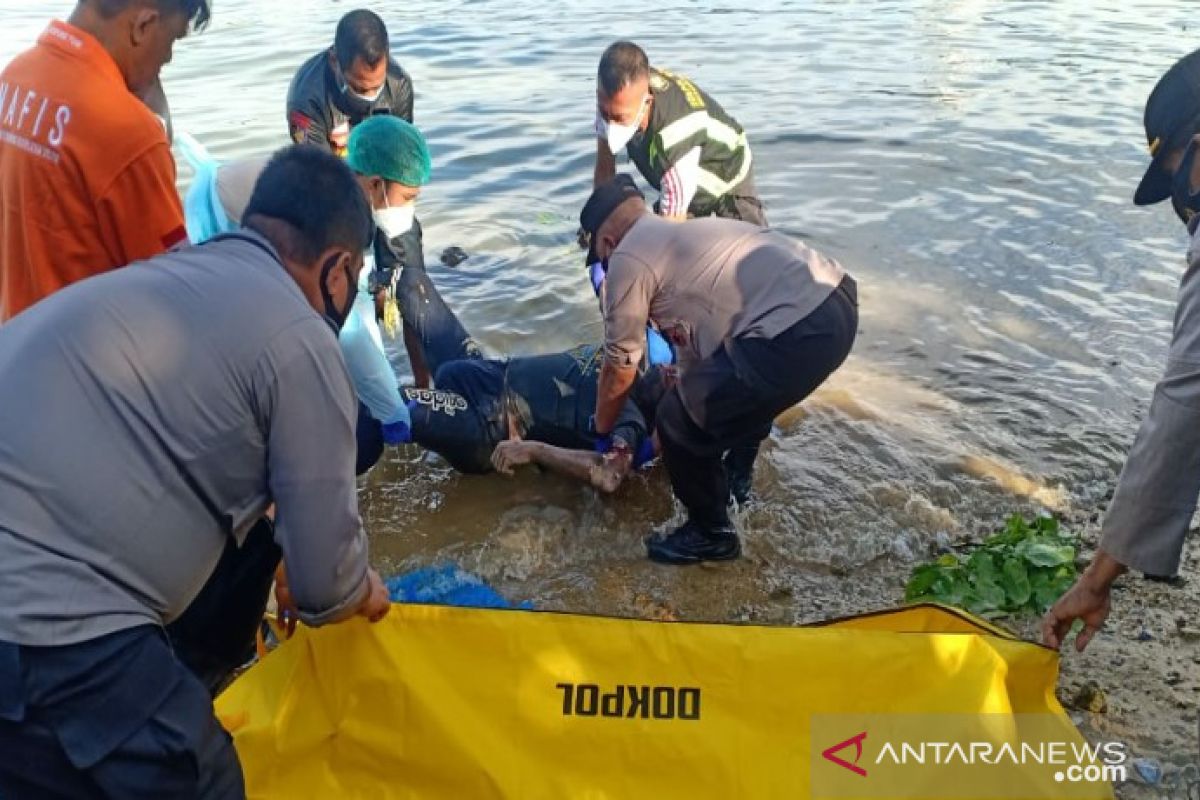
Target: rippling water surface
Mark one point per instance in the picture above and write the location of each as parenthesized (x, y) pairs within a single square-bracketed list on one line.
[(970, 162)]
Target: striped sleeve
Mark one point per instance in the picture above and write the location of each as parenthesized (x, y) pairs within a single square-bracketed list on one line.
[(679, 184)]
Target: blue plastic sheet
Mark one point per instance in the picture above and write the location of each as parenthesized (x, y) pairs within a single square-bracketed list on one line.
[(447, 585)]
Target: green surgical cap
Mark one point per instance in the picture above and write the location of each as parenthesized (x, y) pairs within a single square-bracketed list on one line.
[(390, 148)]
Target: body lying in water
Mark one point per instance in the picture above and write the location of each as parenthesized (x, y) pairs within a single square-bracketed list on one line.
[(491, 414)]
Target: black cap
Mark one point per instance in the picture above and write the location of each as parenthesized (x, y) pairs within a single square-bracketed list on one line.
[(1172, 117), (601, 205)]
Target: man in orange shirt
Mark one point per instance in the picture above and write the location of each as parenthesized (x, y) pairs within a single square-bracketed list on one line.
[(87, 181)]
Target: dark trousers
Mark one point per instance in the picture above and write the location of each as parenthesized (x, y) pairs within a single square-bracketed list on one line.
[(736, 395), (368, 436), (129, 715), (114, 717), (443, 337), (216, 634), (743, 203)]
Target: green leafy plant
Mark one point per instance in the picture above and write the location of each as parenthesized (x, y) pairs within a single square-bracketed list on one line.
[(1023, 568)]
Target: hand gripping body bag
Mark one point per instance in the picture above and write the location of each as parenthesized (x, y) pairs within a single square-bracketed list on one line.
[(445, 702)]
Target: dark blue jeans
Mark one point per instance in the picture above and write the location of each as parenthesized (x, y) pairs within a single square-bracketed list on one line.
[(443, 337)]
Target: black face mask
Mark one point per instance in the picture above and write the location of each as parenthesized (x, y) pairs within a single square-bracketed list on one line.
[(337, 316), (1186, 204)]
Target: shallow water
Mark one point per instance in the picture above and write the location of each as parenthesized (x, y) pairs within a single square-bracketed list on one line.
[(971, 162)]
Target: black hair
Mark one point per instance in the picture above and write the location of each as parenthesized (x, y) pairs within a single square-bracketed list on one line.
[(360, 34), (198, 12), (622, 64), (316, 194)]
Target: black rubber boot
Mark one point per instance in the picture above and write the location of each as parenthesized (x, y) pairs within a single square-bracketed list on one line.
[(691, 544)]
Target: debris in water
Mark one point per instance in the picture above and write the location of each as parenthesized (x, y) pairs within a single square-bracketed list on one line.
[(453, 256)]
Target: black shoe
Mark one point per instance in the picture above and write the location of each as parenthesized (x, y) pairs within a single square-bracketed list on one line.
[(691, 544)]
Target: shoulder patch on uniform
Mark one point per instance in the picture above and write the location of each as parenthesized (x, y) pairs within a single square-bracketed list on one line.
[(694, 98), (661, 80), (299, 124)]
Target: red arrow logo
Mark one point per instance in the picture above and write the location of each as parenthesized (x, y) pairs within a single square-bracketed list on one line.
[(858, 751)]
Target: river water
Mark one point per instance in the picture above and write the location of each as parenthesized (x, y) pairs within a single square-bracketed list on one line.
[(972, 164)]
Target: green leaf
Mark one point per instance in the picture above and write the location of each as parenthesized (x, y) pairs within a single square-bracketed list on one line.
[(1025, 566), (1047, 526), (1017, 527), (1044, 597), (921, 582), (990, 593), (1044, 554), (1066, 573), (982, 565), (1016, 583)]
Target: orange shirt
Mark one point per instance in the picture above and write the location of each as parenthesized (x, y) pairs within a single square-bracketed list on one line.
[(87, 181)]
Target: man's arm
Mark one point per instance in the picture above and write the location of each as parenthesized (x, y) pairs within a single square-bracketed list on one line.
[(155, 98), (402, 105), (625, 299), (612, 392), (1157, 493), (604, 472), (140, 213), (606, 164), (309, 409)]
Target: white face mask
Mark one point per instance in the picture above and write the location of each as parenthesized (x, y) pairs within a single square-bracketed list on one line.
[(619, 135), (396, 220), (366, 98)]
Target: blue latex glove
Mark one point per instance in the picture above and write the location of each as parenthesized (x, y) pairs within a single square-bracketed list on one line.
[(658, 349), (397, 433), (645, 453)]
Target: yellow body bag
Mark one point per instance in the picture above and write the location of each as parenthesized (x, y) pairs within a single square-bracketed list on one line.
[(447, 702)]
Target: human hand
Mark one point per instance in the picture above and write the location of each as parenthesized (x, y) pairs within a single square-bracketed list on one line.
[(285, 605), (512, 454), (1082, 601), (376, 605), (1088, 600)]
